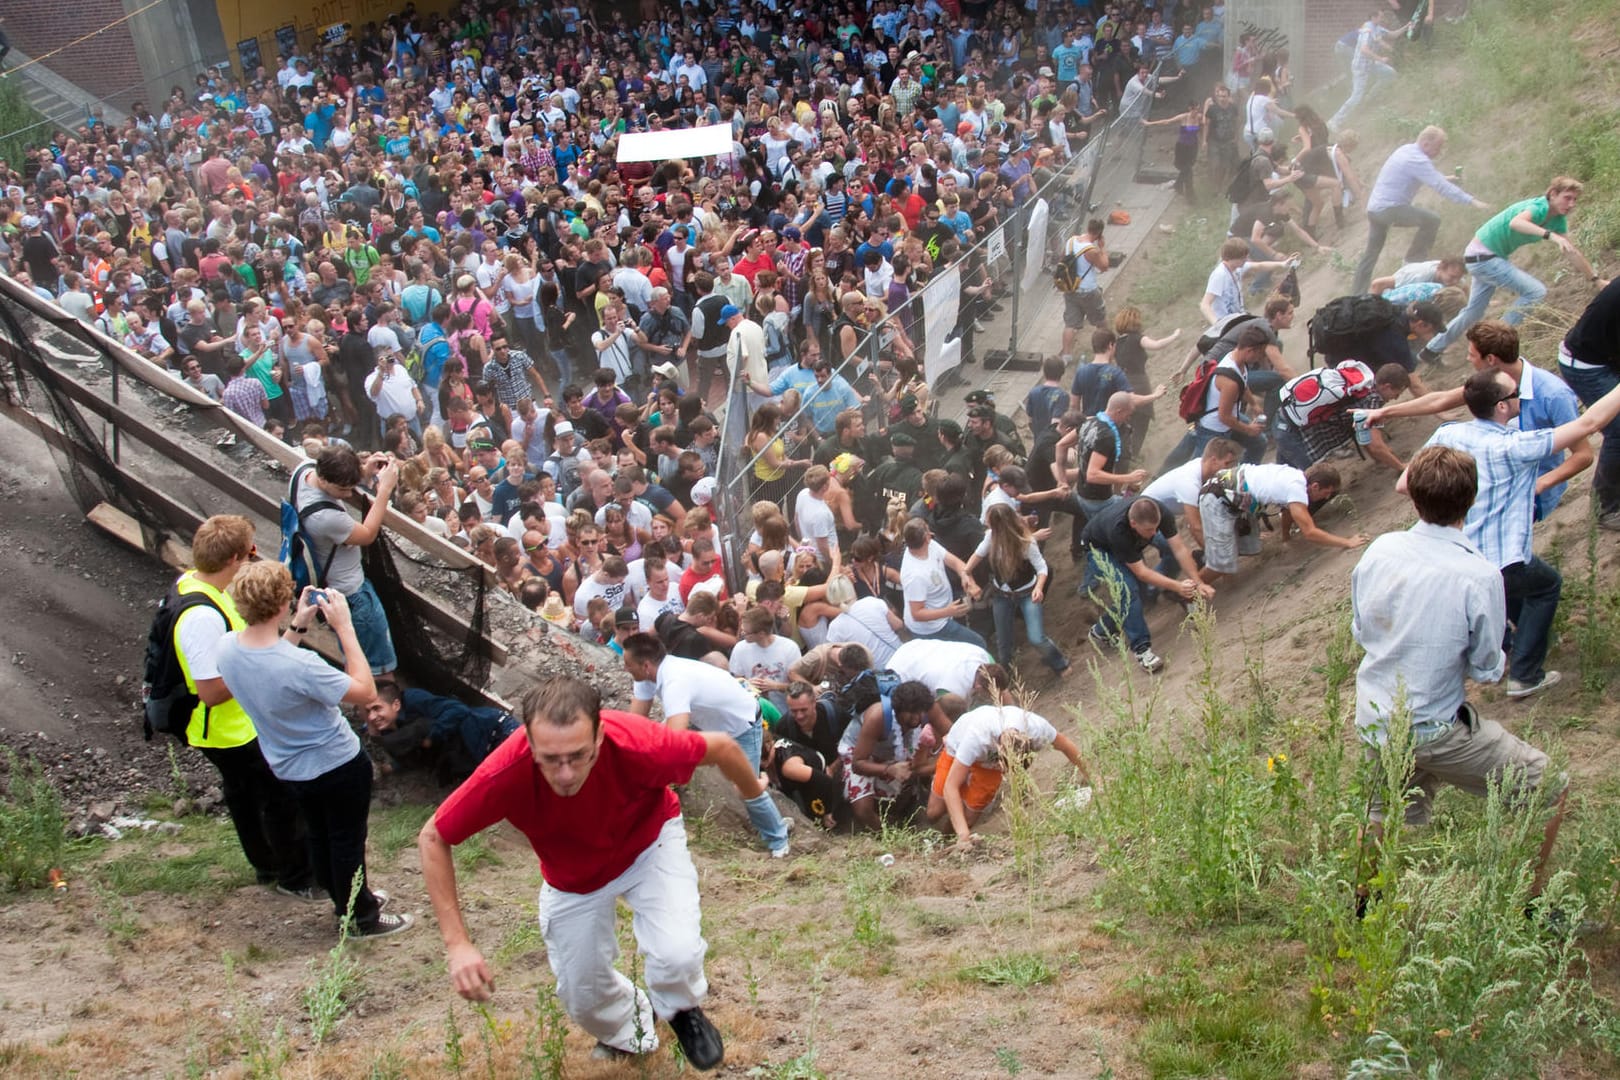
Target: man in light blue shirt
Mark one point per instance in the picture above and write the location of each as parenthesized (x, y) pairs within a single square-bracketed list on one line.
[(831, 396), (1066, 58), (1427, 606), (1500, 520), (1389, 205)]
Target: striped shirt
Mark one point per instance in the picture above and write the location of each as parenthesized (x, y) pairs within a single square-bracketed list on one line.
[(1508, 461)]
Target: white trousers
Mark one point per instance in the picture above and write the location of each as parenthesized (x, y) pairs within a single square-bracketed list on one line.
[(661, 887)]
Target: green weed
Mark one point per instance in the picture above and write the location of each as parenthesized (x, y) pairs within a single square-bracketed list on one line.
[(455, 1053), (547, 1046), (866, 894), (337, 982), (117, 916), (33, 828), (392, 830), (1007, 1058), (473, 853), (1020, 970), (265, 1055), (16, 115), (1180, 263), (145, 863), (179, 789)]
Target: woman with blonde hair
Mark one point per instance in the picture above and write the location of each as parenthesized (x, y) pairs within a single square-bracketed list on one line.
[(1018, 574), (292, 696)]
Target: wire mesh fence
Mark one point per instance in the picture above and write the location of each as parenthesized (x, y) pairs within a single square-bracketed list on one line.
[(1020, 253)]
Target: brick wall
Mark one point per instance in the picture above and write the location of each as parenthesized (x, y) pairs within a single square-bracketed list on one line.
[(104, 64), (1315, 64)]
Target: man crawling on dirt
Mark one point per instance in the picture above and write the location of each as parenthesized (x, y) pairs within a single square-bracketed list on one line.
[(419, 729)]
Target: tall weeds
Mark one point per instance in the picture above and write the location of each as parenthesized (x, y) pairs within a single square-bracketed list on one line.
[(1258, 815)]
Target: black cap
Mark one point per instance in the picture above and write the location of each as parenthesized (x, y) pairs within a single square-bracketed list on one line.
[(980, 397), (900, 438), (626, 616), (981, 412)]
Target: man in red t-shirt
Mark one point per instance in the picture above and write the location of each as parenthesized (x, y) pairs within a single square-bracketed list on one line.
[(591, 791)]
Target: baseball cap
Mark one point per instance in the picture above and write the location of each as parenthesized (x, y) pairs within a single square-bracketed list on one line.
[(480, 444), (31, 221), (626, 616), (563, 427), (981, 412), (792, 233), (729, 312), (703, 491), (1045, 72), (908, 404)]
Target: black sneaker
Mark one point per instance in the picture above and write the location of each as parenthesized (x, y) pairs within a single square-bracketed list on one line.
[(700, 1042), (385, 925)]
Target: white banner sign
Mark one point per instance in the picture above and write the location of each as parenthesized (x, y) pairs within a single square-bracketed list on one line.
[(941, 299), (1035, 245), (995, 246), (707, 141)]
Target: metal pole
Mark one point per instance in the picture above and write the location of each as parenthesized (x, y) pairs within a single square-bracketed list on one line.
[(1015, 252)]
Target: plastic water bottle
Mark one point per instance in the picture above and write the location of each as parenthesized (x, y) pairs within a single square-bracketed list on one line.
[(1363, 430)]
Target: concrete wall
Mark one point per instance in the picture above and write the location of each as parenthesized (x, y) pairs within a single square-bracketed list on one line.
[(104, 65)]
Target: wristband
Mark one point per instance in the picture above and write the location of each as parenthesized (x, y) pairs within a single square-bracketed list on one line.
[(298, 629), (1546, 234)]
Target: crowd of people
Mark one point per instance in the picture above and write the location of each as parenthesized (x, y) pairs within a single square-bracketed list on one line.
[(416, 256)]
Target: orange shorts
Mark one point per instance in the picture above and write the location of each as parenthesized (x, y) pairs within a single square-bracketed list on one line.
[(981, 787)]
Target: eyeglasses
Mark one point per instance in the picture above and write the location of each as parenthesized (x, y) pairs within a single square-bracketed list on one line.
[(1508, 397)]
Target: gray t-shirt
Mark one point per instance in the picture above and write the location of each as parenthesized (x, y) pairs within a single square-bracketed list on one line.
[(328, 528), (292, 697)]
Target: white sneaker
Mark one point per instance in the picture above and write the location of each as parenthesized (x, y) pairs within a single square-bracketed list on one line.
[(781, 852), (1150, 661), (1517, 689)]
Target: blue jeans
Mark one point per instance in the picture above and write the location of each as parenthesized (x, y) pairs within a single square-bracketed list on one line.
[(1198, 436), (1103, 567), (762, 812), (951, 630), (1532, 590), (371, 629), (1487, 277), (1363, 80), (1005, 608), (1590, 384)]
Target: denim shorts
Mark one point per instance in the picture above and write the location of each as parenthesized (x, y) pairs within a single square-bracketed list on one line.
[(371, 628)]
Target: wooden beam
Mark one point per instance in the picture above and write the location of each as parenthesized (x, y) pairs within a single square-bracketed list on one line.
[(156, 378), (430, 609), (120, 526), (178, 515)]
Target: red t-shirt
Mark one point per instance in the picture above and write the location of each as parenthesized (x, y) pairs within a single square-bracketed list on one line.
[(588, 839)]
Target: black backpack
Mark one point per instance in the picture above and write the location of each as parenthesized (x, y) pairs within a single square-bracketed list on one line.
[(1242, 188), (1348, 328), (169, 702)]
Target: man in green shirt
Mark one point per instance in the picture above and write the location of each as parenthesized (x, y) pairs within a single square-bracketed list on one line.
[(1490, 266)]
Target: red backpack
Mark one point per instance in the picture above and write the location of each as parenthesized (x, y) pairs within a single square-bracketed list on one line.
[(1191, 407)]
